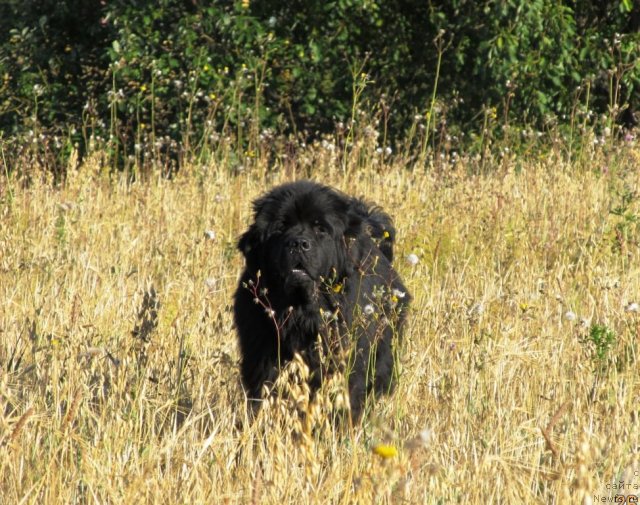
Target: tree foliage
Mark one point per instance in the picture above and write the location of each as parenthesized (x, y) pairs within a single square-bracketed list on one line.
[(170, 74)]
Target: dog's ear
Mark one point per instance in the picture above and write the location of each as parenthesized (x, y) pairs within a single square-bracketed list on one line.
[(367, 227), (250, 243), (371, 222), (354, 223), (354, 237), (382, 231), (249, 246)]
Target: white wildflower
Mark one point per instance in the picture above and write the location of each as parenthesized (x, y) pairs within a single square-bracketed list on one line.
[(476, 310), (421, 441), (426, 436), (398, 294)]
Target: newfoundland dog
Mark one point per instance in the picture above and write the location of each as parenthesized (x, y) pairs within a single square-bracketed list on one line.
[(318, 281)]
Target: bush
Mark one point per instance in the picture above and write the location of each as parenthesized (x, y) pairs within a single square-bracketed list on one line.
[(152, 82)]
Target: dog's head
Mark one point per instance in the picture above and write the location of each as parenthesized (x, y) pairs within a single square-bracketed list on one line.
[(303, 235)]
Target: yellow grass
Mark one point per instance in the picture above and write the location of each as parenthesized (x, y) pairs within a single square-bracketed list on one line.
[(501, 398)]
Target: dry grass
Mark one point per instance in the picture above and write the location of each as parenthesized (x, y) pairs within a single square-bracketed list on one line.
[(503, 396)]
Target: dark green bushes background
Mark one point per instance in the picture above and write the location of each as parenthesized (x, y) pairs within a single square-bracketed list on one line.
[(168, 78)]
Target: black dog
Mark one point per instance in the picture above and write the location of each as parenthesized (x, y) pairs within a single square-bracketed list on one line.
[(318, 281)]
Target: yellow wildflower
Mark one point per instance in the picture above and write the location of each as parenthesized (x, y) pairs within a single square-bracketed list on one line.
[(385, 451)]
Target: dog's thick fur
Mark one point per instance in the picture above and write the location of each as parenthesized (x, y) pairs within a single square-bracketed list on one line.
[(318, 281)]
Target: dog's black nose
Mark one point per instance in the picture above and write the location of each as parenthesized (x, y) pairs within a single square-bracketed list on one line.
[(299, 243)]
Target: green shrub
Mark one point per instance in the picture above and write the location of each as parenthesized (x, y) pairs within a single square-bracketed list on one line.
[(154, 81), (601, 339)]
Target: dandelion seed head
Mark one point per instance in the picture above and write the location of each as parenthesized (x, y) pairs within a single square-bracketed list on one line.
[(426, 436), (477, 310)]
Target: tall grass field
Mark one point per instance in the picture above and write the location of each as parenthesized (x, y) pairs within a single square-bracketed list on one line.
[(518, 371)]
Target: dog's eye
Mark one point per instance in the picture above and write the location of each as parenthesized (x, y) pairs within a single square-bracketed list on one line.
[(319, 228)]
